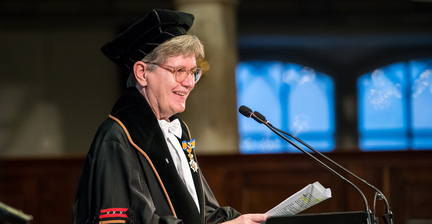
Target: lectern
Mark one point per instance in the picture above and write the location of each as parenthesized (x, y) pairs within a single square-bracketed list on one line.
[(321, 218)]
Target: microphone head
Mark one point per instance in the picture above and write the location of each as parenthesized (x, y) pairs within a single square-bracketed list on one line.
[(260, 116), (245, 111)]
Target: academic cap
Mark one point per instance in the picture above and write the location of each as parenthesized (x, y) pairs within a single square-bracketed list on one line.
[(145, 35)]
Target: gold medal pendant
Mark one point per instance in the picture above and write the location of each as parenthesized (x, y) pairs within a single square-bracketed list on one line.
[(188, 146), (193, 164)]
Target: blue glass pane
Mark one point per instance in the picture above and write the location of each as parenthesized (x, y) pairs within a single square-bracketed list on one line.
[(382, 109), (258, 85), (421, 103), (275, 89), (310, 107)]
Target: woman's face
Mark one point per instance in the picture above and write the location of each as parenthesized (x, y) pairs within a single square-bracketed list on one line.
[(165, 95)]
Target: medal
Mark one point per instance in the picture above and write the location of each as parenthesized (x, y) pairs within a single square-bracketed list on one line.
[(188, 146)]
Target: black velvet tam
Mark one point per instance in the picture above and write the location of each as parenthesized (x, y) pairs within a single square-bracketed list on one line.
[(145, 35)]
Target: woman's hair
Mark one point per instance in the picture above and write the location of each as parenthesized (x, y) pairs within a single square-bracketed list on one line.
[(185, 45)]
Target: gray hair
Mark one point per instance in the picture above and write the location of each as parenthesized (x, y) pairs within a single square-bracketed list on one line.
[(185, 45)]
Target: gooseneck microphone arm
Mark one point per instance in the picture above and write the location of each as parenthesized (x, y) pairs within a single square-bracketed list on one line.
[(387, 217), (247, 112)]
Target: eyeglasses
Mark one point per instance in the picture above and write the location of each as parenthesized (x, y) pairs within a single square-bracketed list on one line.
[(180, 73)]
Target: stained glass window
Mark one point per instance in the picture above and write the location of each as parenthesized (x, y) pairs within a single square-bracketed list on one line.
[(395, 107), (293, 98)]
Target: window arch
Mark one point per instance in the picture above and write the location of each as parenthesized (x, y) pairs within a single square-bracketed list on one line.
[(421, 103), (258, 87), (395, 107), (294, 98)]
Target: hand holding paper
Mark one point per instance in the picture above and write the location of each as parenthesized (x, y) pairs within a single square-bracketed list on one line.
[(307, 197)]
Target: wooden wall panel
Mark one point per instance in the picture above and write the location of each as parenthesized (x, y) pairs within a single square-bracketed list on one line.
[(256, 183), (412, 191), (45, 187)]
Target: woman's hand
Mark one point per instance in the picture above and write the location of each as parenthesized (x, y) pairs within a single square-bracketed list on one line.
[(248, 219)]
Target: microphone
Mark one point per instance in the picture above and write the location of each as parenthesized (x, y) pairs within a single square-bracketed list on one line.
[(387, 217), (247, 112)]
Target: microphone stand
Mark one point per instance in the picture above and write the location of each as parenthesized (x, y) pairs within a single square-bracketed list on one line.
[(387, 217), (370, 218)]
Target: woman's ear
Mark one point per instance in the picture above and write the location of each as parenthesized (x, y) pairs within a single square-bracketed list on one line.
[(140, 69)]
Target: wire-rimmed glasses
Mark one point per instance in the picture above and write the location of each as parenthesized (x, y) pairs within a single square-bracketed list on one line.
[(180, 72)]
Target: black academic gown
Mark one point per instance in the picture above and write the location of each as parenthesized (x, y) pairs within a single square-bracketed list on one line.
[(130, 176)]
